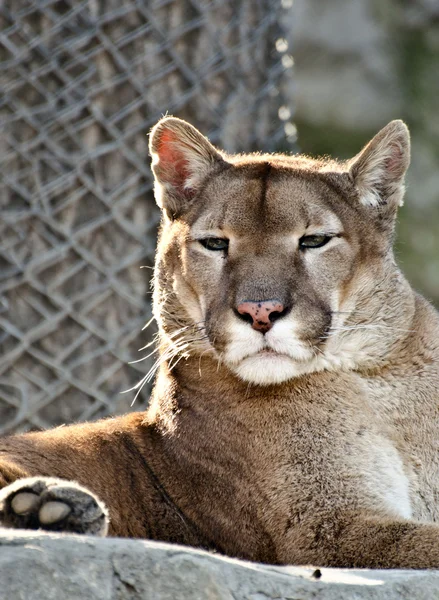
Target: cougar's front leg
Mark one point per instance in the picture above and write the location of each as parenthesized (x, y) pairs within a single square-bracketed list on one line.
[(66, 478), (48, 482), (363, 541)]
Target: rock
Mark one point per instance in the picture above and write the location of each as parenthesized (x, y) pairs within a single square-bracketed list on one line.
[(37, 566)]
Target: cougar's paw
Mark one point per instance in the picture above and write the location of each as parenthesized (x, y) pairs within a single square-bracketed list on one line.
[(53, 505)]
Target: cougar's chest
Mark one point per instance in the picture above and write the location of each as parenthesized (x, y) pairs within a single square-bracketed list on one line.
[(407, 408), (329, 453)]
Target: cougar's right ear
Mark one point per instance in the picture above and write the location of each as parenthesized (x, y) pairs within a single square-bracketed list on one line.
[(182, 158)]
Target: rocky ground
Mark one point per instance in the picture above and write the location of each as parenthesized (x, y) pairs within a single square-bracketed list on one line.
[(36, 566)]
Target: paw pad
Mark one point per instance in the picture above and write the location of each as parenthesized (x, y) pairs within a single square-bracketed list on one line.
[(52, 512), (24, 502), (53, 505)]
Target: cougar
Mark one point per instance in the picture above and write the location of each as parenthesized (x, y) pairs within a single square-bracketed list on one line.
[(295, 413)]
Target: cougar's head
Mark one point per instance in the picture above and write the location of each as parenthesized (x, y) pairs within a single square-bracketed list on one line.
[(275, 265)]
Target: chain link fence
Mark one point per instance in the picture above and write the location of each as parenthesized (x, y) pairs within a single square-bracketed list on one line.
[(81, 84)]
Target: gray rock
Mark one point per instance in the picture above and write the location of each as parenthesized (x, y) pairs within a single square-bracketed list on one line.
[(35, 566)]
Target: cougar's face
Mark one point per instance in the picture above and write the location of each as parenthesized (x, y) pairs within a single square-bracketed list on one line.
[(264, 267), (262, 263)]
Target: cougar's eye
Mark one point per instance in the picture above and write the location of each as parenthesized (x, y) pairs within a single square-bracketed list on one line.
[(214, 243), (313, 241)]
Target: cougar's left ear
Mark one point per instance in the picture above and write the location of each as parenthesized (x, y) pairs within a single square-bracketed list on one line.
[(182, 158), (378, 170)]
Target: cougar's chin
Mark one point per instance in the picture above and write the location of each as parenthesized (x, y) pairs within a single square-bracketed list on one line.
[(268, 368), (278, 356), (268, 365)]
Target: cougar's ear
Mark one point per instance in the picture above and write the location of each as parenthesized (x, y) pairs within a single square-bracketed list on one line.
[(182, 158), (378, 170)]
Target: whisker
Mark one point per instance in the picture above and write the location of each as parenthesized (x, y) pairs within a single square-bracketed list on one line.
[(133, 362), (360, 326), (317, 350), (247, 390), (180, 342), (148, 324), (147, 378), (176, 362), (153, 341)]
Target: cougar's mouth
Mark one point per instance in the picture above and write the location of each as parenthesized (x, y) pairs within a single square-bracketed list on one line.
[(268, 351)]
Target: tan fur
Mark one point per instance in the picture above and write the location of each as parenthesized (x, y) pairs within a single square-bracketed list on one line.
[(314, 443)]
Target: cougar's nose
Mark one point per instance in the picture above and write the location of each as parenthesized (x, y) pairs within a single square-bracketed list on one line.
[(261, 314)]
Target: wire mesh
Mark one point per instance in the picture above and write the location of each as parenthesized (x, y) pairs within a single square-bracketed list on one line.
[(81, 84)]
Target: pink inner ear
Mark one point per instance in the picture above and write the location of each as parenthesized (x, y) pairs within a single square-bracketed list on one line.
[(173, 164), (394, 162)]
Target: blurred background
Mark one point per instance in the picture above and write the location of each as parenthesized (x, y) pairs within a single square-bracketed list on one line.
[(359, 64), (82, 82)]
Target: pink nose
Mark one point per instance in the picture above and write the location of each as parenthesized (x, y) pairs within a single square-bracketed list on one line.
[(261, 314)]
